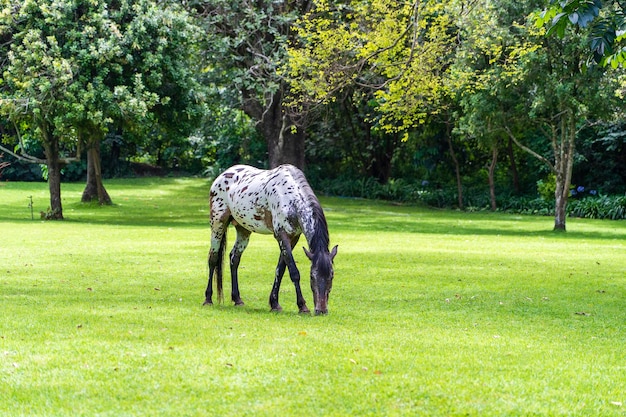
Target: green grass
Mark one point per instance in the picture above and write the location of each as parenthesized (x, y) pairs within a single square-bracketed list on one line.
[(432, 313)]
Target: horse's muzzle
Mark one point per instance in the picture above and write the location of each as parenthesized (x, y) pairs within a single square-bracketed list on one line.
[(321, 307)]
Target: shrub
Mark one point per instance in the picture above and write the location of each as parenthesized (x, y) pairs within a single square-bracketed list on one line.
[(603, 207), (475, 198), (547, 187)]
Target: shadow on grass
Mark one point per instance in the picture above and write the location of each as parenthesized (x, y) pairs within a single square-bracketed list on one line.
[(183, 202), (388, 218)]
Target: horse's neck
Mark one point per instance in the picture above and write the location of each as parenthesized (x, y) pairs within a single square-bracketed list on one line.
[(308, 222), (313, 225)]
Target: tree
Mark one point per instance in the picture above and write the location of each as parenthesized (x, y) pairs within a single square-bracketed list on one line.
[(77, 68), (35, 80), (401, 52), (562, 98), (346, 138), (246, 45), (139, 77), (492, 39)]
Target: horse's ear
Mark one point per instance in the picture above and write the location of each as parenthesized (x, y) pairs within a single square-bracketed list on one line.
[(333, 252), (308, 254)]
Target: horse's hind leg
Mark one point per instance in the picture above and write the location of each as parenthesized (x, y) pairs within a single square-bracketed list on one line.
[(243, 237), (216, 255)]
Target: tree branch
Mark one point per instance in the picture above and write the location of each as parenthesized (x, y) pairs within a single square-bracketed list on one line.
[(26, 158), (530, 151), (413, 25)]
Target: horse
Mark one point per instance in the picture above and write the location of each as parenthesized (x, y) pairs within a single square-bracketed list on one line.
[(281, 202)]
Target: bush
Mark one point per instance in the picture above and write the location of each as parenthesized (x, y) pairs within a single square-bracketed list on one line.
[(526, 205), (475, 198), (603, 207), (404, 191)]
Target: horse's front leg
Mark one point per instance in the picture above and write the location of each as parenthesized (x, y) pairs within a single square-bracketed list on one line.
[(286, 244), (280, 271), (243, 237)]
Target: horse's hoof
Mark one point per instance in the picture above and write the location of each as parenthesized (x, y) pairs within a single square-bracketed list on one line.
[(239, 303), (277, 309), (305, 310), (207, 303)]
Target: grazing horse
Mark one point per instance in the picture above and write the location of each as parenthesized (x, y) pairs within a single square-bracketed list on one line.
[(279, 202)]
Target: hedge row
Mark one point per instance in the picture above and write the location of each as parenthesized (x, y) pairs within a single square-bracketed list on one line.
[(474, 199)]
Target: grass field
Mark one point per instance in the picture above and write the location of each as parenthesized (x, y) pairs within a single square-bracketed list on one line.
[(433, 313)]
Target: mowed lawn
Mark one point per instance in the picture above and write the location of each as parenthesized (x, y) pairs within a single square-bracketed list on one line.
[(432, 313)]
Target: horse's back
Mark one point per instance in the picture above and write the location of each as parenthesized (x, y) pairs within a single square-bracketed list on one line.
[(259, 200)]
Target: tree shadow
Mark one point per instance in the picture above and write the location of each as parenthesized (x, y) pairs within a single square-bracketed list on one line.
[(381, 217)]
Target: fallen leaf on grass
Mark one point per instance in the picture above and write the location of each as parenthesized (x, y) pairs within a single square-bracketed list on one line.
[(229, 365), (582, 313), (302, 333), (377, 372), (617, 403), (352, 361)]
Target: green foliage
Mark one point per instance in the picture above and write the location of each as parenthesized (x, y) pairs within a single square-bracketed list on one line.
[(228, 138), (396, 50), (83, 67), (603, 207), (432, 313), (601, 165), (547, 187), (476, 198), (603, 22)]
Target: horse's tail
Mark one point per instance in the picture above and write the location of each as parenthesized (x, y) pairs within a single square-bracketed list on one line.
[(219, 269)]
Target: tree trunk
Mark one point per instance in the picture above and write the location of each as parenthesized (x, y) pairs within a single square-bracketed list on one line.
[(514, 172), (51, 148), (562, 135), (492, 182), (284, 139), (564, 147), (94, 189), (457, 168), (382, 156), (560, 206)]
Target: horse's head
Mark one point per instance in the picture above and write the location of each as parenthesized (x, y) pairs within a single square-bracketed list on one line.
[(321, 277)]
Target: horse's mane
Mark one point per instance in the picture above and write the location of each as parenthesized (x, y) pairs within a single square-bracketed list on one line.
[(320, 239)]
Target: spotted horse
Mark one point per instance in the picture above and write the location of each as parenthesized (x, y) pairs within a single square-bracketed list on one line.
[(279, 202)]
